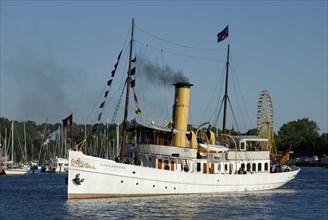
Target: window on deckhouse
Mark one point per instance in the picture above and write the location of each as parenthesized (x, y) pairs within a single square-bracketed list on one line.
[(149, 136)]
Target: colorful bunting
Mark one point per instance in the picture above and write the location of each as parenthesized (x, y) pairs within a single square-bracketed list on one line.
[(133, 83), (119, 56), (133, 71), (109, 83), (135, 97), (113, 73), (137, 110)]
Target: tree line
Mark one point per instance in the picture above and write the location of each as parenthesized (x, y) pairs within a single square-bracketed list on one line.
[(301, 135)]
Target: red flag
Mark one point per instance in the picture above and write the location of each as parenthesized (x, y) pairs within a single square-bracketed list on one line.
[(68, 121), (284, 156), (223, 34)]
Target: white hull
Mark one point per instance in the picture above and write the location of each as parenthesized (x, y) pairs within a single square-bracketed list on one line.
[(101, 178), (16, 171)]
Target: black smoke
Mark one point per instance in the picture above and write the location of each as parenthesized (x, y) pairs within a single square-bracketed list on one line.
[(35, 88), (162, 76)]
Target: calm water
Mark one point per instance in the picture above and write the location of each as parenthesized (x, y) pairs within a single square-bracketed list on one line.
[(43, 196)]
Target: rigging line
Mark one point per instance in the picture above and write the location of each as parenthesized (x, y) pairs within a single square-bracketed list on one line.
[(169, 116), (208, 103), (233, 114), (176, 44), (217, 117), (101, 94), (118, 104), (219, 106), (244, 103), (190, 117), (97, 102), (210, 99), (127, 38), (180, 54), (122, 55), (237, 99), (163, 72), (139, 64)]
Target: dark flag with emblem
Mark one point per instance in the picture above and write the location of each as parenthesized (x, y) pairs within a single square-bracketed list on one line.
[(223, 34), (68, 121)]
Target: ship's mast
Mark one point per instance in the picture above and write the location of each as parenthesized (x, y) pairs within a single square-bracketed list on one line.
[(128, 85), (226, 93)]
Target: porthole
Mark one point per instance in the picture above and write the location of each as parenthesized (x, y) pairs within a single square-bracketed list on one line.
[(153, 186), (137, 184), (121, 181)]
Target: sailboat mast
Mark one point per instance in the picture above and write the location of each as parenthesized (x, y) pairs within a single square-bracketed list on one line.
[(12, 142), (226, 93), (128, 84), (25, 142)]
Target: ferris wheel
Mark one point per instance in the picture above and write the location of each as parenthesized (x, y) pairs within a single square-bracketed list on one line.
[(264, 115)]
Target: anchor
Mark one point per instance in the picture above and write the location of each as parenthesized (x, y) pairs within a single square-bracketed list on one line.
[(77, 179)]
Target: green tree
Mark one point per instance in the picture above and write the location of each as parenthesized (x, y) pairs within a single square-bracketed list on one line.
[(302, 135), (322, 145), (252, 131)]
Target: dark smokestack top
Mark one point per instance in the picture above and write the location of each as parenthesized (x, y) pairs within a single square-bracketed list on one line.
[(182, 85)]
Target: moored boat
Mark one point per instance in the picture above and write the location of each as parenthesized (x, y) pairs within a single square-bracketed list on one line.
[(34, 168), (58, 165), (16, 170), (10, 167)]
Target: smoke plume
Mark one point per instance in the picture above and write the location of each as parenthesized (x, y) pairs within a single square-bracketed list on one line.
[(162, 76)]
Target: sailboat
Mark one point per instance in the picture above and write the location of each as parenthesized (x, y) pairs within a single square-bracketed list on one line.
[(172, 160), (14, 169)]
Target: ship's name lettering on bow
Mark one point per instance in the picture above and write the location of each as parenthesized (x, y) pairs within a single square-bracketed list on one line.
[(115, 166)]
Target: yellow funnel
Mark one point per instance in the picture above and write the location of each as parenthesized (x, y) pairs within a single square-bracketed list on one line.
[(180, 112)]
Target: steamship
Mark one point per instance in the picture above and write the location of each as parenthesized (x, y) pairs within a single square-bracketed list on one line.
[(172, 160)]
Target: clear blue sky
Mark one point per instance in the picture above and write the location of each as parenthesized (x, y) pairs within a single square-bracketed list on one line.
[(56, 57)]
